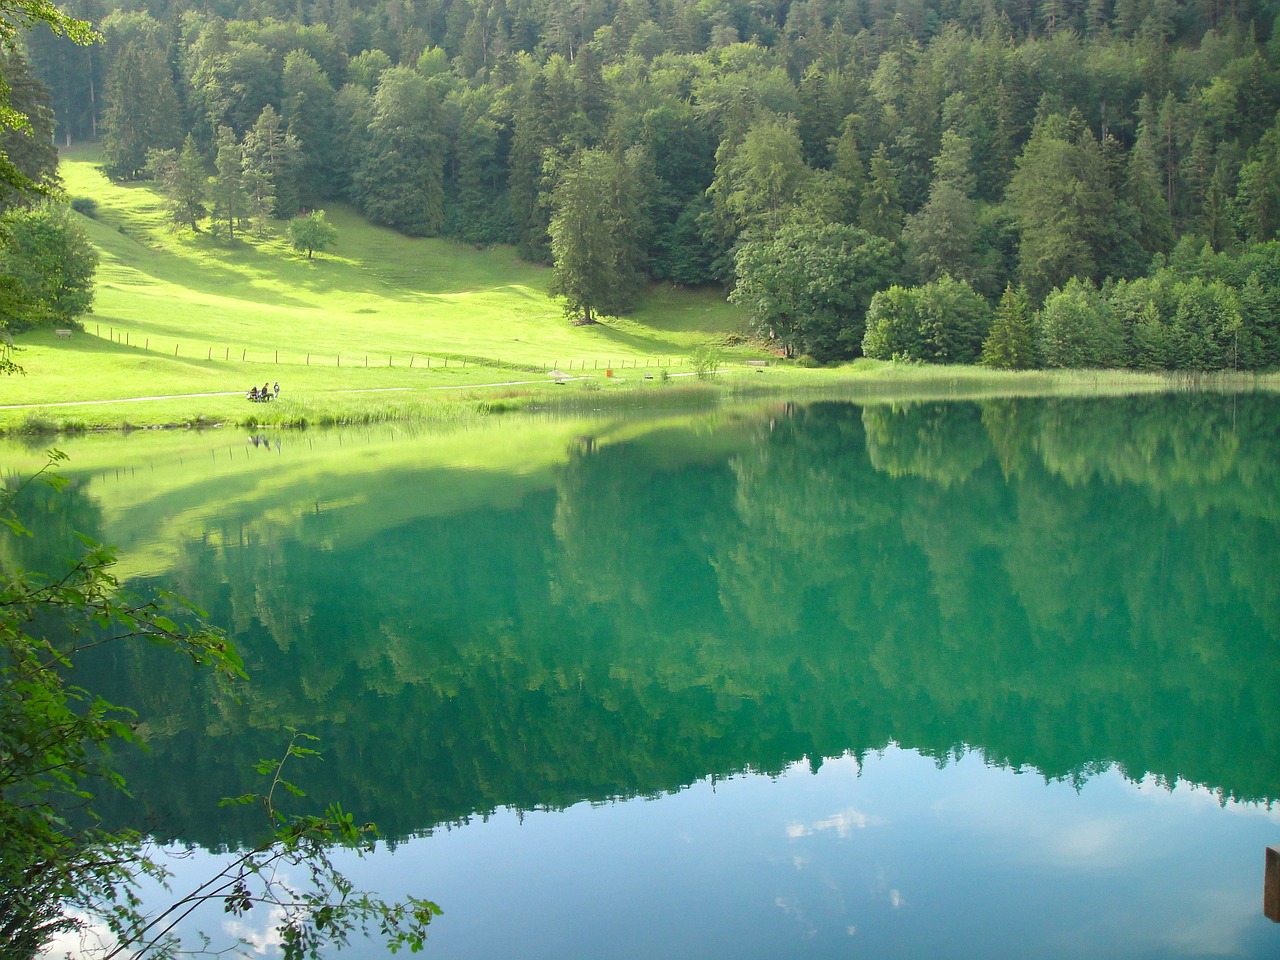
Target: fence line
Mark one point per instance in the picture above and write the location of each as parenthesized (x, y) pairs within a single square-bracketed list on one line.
[(414, 361)]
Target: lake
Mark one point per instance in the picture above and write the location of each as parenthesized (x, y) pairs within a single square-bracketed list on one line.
[(960, 679)]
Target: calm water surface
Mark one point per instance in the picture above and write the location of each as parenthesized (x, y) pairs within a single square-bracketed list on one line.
[(955, 679)]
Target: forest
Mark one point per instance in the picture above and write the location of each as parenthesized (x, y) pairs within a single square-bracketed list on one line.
[(1017, 183)]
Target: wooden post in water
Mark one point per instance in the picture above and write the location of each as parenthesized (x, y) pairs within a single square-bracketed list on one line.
[(1271, 886)]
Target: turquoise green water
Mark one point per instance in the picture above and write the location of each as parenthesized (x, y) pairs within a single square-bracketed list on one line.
[(971, 679)]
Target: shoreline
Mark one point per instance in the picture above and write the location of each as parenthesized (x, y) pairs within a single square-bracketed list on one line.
[(861, 380)]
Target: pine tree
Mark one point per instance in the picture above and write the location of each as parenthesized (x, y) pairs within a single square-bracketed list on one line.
[(183, 181), (881, 211), (227, 187), (142, 111), (597, 224), (1010, 344), (308, 115), (271, 160)]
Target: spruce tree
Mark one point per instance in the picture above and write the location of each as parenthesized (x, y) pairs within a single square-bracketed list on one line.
[(227, 187), (1010, 344)]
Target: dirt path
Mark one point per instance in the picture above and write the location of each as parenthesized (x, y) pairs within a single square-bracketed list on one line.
[(240, 393)]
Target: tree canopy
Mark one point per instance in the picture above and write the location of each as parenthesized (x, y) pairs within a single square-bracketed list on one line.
[(995, 145)]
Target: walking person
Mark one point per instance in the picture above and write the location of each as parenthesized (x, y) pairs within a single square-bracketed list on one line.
[(277, 389)]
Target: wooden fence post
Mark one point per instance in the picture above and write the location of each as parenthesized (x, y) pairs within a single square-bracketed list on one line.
[(1271, 886)]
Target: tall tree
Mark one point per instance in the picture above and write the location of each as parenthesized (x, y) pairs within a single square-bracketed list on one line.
[(941, 239), (755, 183), (74, 73), (400, 181), (598, 221), (1259, 188), (881, 210), (227, 192), (14, 15), (271, 166), (28, 149), (1060, 199), (476, 180), (1145, 193), (142, 110), (183, 181), (308, 113)]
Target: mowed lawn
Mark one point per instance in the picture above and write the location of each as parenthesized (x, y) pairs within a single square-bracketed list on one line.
[(189, 313)]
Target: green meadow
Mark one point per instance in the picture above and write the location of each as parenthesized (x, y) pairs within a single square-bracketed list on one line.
[(388, 328), (419, 321)]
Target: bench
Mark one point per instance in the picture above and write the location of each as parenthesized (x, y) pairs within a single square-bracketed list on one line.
[(757, 363), (63, 334)]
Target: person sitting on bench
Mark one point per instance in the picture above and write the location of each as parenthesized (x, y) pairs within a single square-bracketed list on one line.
[(253, 393)]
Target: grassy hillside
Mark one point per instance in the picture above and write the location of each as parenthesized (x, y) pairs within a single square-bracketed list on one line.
[(183, 313), (389, 328)]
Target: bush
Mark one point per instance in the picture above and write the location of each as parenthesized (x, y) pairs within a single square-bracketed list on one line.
[(705, 361), (86, 206)]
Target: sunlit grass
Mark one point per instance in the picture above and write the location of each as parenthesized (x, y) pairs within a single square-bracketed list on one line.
[(179, 314), (386, 327)]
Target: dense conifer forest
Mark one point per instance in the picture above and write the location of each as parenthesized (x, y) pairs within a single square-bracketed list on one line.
[(1020, 183)]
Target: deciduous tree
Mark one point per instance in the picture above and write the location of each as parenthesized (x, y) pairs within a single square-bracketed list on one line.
[(808, 287), (57, 875), (51, 263), (311, 233)]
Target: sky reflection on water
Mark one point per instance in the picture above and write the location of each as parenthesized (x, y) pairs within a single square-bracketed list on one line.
[(894, 858)]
